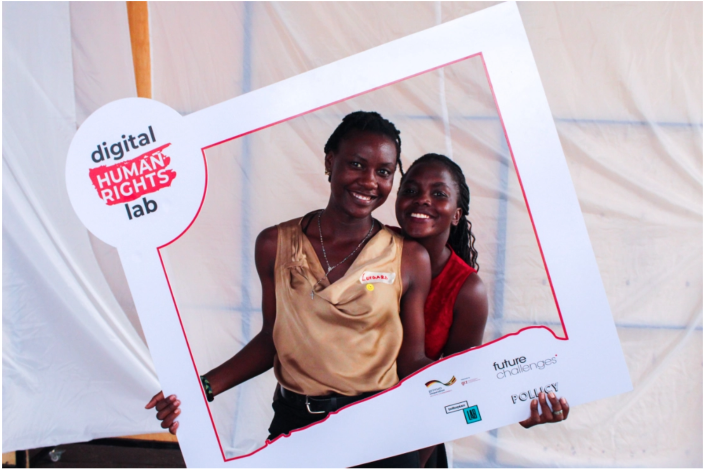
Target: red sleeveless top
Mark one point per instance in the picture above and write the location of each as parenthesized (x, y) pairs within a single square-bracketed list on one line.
[(440, 303)]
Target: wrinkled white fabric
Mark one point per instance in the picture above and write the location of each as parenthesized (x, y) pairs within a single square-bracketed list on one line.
[(74, 367), (624, 82)]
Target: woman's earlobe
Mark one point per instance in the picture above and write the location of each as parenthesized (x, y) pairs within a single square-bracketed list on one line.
[(456, 217), (328, 165)]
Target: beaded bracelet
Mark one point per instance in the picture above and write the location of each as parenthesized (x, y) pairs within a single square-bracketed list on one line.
[(208, 389)]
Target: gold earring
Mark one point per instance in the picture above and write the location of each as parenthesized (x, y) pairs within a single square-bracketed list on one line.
[(327, 172)]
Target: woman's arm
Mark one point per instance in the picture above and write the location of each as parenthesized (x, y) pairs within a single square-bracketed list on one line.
[(469, 316), (256, 357), (416, 276)]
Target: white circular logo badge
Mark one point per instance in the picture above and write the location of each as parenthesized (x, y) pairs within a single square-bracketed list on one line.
[(133, 176)]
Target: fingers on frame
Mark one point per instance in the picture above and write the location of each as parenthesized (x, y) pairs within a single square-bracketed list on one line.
[(557, 411), (534, 416), (534, 413), (565, 408), (171, 409), (168, 421), (547, 412), (155, 399), (165, 402)]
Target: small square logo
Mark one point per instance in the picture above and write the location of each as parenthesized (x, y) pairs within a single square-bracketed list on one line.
[(472, 415)]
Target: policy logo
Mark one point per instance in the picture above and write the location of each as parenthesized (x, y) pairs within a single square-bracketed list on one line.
[(519, 365), (533, 393), (436, 387)]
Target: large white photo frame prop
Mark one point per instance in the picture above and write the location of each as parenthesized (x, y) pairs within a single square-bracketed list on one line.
[(170, 182)]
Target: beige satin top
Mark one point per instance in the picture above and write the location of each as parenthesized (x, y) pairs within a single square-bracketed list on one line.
[(347, 337)]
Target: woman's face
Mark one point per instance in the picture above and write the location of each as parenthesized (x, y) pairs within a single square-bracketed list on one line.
[(427, 201), (362, 172)]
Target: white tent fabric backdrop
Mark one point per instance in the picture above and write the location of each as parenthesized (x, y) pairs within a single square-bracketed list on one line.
[(624, 82)]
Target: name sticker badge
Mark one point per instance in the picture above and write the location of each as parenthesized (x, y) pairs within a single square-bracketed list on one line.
[(370, 277)]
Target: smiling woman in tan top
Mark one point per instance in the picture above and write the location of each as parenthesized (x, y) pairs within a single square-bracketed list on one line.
[(355, 320), (342, 296)]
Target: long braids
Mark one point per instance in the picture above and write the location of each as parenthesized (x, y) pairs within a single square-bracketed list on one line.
[(461, 237), (366, 121)]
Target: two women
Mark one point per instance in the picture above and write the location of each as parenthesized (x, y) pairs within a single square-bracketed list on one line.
[(338, 273), (342, 295)]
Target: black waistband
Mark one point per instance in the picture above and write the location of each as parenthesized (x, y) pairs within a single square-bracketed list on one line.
[(326, 404)]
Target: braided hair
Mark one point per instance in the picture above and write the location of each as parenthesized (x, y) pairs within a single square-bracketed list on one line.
[(461, 237), (366, 121)]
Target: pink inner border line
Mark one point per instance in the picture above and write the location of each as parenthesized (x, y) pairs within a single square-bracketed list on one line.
[(513, 159)]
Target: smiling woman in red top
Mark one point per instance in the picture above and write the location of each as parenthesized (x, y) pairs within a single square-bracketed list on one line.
[(432, 208)]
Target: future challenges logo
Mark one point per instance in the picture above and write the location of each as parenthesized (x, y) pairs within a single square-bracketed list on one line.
[(510, 367)]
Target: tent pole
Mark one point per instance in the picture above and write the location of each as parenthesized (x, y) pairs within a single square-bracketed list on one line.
[(138, 17)]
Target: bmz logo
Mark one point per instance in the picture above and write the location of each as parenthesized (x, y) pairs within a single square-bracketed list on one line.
[(433, 382), (435, 387)]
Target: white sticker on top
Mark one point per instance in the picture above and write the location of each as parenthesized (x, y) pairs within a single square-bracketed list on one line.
[(370, 277)]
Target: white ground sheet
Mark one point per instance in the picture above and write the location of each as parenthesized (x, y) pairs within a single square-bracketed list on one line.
[(624, 82)]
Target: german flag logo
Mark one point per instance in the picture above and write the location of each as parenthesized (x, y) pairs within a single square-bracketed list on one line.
[(433, 382)]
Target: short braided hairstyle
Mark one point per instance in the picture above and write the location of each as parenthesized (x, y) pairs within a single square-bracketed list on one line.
[(365, 121), (461, 237)]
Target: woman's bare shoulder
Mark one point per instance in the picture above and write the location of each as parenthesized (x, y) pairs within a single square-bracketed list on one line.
[(267, 236), (415, 252), (267, 240)]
